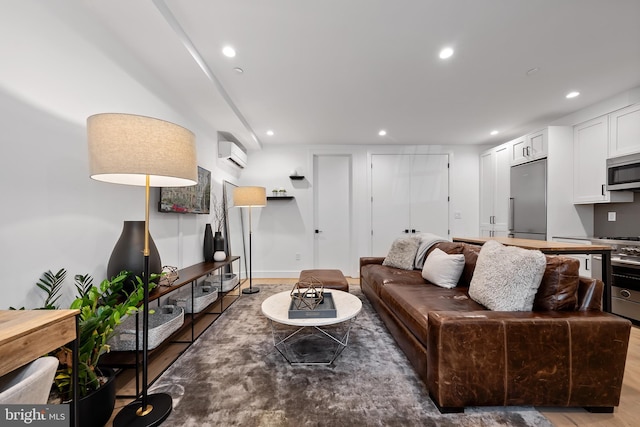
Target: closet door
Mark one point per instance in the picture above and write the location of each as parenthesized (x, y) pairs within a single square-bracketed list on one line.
[(390, 205), (410, 194)]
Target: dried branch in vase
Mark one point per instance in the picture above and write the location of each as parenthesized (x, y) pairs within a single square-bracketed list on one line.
[(218, 213)]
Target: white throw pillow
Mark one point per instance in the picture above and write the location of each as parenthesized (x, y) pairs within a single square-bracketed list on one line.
[(506, 278), (402, 253), (443, 269)]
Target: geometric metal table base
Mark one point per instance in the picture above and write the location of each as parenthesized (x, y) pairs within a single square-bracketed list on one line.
[(311, 345)]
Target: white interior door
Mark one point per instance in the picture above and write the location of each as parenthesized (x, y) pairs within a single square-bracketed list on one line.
[(390, 191), (332, 192), (410, 194), (430, 194)]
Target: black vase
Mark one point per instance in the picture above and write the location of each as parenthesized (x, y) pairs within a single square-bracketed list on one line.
[(208, 243), (218, 247), (128, 254)]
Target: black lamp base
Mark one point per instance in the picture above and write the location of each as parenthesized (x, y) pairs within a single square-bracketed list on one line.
[(160, 403), (250, 290)]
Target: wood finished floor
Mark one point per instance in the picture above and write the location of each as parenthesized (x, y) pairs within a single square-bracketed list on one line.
[(625, 415)]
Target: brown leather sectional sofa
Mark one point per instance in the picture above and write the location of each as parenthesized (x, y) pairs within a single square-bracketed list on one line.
[(566, 352)]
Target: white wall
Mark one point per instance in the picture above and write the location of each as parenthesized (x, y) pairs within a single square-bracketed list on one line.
[(285, 228), (53, 215)]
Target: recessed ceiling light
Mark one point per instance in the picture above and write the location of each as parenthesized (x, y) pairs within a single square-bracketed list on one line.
[(494, 132), (270, 133), (228, 51), (238, 70), (382, 132), (445, 53), (572, 94)]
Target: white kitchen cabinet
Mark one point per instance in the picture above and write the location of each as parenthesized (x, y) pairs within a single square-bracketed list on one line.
[(494, 191), (529, 147), (585, 260), (590, 143), (624, 131)]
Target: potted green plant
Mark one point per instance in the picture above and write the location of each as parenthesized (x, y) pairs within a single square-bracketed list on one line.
[(101, 310)]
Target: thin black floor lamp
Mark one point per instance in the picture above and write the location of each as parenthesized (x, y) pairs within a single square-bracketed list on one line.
[(142, 151), (250, 197)]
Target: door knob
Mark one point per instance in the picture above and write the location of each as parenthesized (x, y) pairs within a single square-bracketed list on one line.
[(318, 231)]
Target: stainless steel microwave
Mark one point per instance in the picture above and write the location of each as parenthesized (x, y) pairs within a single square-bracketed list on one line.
[(623, 173)]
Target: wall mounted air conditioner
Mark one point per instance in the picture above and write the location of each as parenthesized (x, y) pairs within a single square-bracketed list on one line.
[(232, 152)]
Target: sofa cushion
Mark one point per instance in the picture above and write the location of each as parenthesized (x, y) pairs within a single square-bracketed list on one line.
[(402, 253), (443, 269), (559, 287), (377, 276), (506, 278), (411, 303)]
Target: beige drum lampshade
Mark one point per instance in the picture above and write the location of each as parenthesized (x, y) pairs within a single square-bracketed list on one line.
[(125, 148), (249, 196)]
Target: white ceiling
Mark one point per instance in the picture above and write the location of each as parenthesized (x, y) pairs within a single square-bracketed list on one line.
[(337, 71)]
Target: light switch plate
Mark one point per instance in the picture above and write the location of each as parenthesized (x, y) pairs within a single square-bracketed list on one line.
[(611, 216)]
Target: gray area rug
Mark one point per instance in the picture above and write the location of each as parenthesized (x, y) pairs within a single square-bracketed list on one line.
[(233, 376)]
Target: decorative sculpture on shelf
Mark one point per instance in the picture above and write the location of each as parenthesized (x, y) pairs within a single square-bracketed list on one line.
[(307, 294)]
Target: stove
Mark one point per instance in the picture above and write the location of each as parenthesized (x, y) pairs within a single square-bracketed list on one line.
[(625, 271)]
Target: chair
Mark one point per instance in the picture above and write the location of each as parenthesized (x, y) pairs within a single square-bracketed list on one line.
[(29, 384)]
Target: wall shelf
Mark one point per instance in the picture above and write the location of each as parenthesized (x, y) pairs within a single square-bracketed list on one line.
[(296, 177), (280, 197)]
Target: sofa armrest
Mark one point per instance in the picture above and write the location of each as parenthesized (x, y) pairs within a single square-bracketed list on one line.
[(371, 260), (526, 358)]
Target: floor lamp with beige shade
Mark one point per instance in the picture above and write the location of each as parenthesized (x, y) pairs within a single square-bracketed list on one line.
[(250, 197), (142, 151)]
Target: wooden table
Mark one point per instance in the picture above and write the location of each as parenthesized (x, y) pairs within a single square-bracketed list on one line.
[(26, 335), (557, 248)]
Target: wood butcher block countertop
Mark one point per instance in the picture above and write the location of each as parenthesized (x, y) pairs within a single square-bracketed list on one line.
[(541, 245)]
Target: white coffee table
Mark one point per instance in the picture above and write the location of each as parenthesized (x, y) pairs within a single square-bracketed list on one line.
[(334, 330)]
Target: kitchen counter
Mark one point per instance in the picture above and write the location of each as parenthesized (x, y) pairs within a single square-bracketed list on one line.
[(589, 238), (544, 246), (556, 248)]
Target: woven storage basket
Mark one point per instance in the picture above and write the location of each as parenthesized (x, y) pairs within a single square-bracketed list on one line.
[(163, 322), (203, 295), (229, 281)]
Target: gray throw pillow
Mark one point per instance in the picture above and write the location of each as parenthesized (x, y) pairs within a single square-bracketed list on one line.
[(402, 253), (506, 278)]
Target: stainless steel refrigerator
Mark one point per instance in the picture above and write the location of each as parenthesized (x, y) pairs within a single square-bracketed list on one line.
[(528, 201)]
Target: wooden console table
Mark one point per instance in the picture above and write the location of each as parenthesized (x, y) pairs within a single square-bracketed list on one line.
[(26, 335), (194, 325), (558, 248)]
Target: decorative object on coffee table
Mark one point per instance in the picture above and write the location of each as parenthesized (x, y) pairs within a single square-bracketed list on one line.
[(250, 197), (142, 151), (307, 295)]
